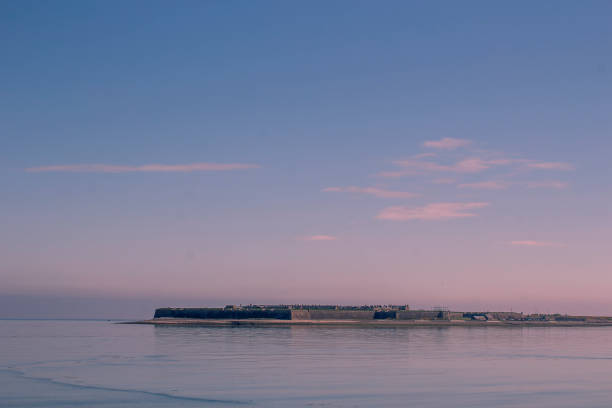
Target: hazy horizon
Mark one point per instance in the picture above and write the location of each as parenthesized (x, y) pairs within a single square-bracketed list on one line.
[(60, 306), (348, 152)]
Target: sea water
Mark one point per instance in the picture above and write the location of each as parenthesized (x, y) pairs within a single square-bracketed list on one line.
[(103, 364)]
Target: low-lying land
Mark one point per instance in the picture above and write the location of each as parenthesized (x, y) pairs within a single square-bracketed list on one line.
[(367, 323), (369, 315)]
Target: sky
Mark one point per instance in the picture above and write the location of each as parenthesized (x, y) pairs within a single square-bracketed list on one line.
[(205, 153)]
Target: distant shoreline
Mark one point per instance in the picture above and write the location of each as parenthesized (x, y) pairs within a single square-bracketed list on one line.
[(361, 323)]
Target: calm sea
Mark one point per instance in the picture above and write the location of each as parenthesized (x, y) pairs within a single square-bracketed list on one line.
[(101, 364)]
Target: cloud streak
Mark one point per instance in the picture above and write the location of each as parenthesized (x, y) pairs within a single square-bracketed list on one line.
[(320, 238), (468, 165), (550, 166), (443, 181), (165, 168), (424, 155), (447, 143), (547, 184), (485, 185), (377, 192), (434, 211), (502, 185), (535, 243)]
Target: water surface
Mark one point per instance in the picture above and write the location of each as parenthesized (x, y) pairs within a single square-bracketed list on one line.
[(96, 363)]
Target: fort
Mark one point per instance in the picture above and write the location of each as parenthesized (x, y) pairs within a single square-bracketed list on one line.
[(365, 315)]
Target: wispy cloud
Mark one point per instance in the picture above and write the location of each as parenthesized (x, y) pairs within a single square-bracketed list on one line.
[(485, 185), (111, 168), (378, 192), (547, 184), (419, 165), (472, 165), (550, 166), (443, 181), (447, 143), (434, 211), (502, 185), (468, 165), (536, 243), (394, 174), (423, 155), (319, 238)]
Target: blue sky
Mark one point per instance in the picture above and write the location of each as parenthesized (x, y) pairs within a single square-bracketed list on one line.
[(316, 95)]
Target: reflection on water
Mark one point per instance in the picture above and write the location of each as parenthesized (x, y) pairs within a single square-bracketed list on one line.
[(67, 363)]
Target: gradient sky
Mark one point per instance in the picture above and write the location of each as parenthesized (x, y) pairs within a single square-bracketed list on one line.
[(204, 153)]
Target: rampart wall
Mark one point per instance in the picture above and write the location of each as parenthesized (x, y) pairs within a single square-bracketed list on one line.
[(212, 313), (385, 314), (332, 315), (419, 315), (303, 314)]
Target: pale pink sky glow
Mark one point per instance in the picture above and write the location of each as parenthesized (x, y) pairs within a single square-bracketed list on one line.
[(270, 267), (434, 211), (273, 270), (447, 143), (536, 243), (109, 168), (377, 192), (320, 238)]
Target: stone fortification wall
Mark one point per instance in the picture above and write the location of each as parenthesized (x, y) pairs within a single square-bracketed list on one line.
[(504, 316), (216, 313), (493, 316), (419, 315), (332, 315), (385, 314), (300, 314), (508, 316)]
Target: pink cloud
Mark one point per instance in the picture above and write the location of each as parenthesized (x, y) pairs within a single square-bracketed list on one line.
[(422, 165), (469, 165), (434, 211), (320, 238), (447, 143), (535, 243), (393, 174), (443, 181), (423, 155), (109, 168), (550, 166), (547, 184), (378, 192), (501, 185), (485, 185)]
